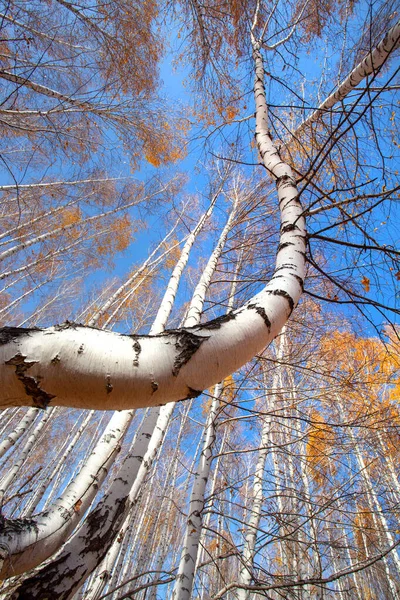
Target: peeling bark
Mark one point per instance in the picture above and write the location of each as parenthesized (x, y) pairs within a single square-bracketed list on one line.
[(40, 398)]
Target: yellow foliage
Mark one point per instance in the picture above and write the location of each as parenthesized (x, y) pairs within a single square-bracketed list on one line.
[(70, 216), (365, 283), (231, 112), (152, 158), (118, 237), (364, 529), (229, 390), (164, 147), (173, 254), (320, 443)]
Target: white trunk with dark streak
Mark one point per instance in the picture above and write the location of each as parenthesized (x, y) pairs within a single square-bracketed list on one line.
[(190, 548), (25, 543), (256, 500), (18, 431), (194, 526), (370, 65)]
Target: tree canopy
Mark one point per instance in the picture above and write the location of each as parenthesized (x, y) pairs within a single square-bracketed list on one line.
[(199, 203)]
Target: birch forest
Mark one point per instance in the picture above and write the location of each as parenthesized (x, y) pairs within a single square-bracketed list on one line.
[(200, 299)]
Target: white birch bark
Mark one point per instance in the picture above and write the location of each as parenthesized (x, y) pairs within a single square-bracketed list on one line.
[(196, 305), (165, 517), (8, 416), (62, 229), (26, 543), (378, 517), (32, 439), (190, 549), (186, 571), (394, 474), (18, 430), (108, 565), (86, 548), (50, 184), (158, 419), (207, 516), (22, 297), (109, 571), (149, 262), (46, 91), (52, 254), (122, 493), (368, 66), (256, 500), (52, 212), (54, 468)]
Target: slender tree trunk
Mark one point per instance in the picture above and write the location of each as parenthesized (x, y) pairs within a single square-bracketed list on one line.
[(256, 501), (18, 430), (370, 65)]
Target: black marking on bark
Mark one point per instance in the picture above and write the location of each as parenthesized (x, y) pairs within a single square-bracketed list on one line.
[(137, 349), (41, 585), (55, 360), (192, 393), (260, 311), (288, 266), (9, 527), (186, 344), (109, 385), (283, 294), (81, 348), (219, 321), (154, 387), (97, 540), (106, 575), (288, 228), (10, 334), (303, 254), (285, 245), (285, 179), (294, 275), (41, 399), (67, 325), (299, 279), (104, 524)]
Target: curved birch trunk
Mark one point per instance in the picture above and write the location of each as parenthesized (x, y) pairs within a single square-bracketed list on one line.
[(72, 365)]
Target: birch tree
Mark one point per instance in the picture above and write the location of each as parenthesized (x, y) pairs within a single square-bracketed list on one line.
[(293, 490)]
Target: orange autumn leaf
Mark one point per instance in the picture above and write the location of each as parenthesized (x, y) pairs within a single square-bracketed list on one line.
[(365, 283)]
